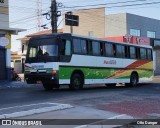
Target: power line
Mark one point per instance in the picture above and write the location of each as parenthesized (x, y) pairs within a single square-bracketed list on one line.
[(92, 5)]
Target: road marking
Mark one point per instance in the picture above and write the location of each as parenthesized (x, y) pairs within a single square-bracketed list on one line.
[(122, 116), (56, 106), (27, 105)]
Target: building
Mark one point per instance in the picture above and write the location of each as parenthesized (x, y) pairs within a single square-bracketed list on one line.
[(5, 41), (91, 23), (125, 23)]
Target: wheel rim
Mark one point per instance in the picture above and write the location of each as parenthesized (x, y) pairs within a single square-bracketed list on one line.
[(134, 80), (76, 83)]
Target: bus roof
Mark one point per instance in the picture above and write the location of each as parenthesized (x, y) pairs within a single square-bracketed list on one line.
[(87, 37)]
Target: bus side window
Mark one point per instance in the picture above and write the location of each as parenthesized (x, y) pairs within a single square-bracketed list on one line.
[(120, 51), (143, 53), (132, 52), (83, 47), (68, 48), (114, 50), (102, 48), (96, 48), (65, 47), (108, 49), (149, 54), (138, 53), (89, 47), (126, 52)]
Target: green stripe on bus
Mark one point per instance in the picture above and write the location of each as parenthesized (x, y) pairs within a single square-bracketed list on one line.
[(97, 73)]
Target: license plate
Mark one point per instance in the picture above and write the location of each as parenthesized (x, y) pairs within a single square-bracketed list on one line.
[(39, 82)]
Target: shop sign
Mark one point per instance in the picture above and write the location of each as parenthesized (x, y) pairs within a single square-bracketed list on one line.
[(141, 40), (5, 41)]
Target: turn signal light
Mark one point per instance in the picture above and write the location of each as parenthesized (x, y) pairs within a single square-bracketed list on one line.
[(54, 72)]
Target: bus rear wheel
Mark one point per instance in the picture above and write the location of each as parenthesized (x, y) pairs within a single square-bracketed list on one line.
[(133, 80), (110, 85), (76, 82), (56, 86)]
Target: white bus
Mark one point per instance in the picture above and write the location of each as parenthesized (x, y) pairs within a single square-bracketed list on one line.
[(68, 59)]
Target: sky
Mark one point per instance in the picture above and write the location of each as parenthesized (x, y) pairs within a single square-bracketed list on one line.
[(23, 14)]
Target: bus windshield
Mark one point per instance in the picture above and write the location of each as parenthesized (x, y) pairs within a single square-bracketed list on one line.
[(44, 50)]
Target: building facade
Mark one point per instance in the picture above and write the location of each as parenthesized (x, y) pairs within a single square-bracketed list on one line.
[(122, 24), (91, 23), (5, 41)]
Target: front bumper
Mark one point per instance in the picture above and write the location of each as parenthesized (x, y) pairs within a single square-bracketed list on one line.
[(33, 78)]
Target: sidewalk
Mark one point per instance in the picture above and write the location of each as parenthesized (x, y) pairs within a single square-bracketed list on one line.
[(14, 84)]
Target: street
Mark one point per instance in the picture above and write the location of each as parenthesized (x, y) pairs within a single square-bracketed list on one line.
[(140, 102)]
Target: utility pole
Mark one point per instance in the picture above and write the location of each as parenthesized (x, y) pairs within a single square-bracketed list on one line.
[(54, 16), (39, 17)]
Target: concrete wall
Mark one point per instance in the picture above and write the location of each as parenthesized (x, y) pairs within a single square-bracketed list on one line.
[(4, 14), (144, 24), (120, 25), (92, 20), (115, 25)]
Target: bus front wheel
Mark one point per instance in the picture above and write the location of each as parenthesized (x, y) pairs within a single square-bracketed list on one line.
[(76, 82), (133, 80), (47, 86)]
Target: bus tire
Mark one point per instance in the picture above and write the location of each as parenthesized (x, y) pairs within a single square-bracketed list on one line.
[(133, 80), (56, 86), (30, 81), (76, 82), (47, 86), (110, 85)]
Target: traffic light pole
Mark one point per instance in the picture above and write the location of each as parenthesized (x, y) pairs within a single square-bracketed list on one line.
[(54, 16)]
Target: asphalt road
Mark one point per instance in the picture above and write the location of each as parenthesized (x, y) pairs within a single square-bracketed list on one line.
[(140, 102)]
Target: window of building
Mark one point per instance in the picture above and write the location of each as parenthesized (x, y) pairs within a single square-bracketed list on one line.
[(135, 32), (17, 61), (151, 34), (90, 34)]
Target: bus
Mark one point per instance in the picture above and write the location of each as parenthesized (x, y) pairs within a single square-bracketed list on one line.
[(67, 59)]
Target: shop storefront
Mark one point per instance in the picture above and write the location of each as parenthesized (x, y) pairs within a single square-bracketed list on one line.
[(5, 45), (5, 51), (5, 41)]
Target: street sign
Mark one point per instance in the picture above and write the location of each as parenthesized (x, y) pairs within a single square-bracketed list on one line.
[(71, 20)]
